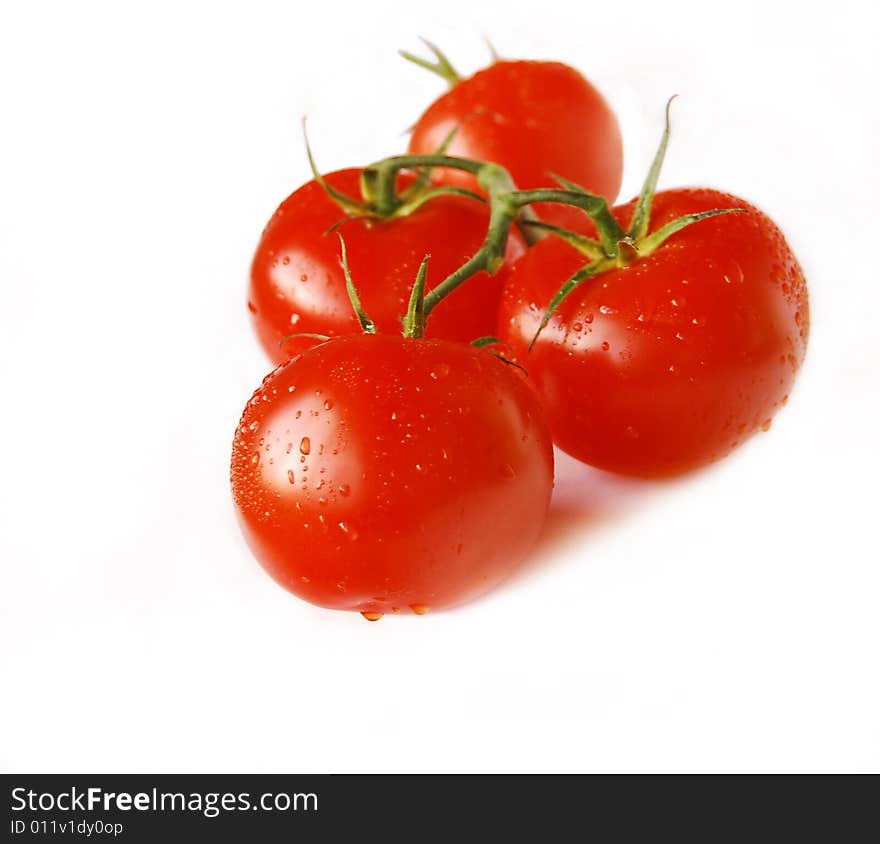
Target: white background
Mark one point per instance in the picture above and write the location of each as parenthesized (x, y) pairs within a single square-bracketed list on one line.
[(725, 622)]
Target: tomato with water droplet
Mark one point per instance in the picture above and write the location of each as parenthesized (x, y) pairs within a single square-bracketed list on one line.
[(421, 505), (667, 364)]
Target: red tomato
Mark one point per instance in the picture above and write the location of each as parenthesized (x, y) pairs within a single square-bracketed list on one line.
[(532, 118), (297, 283), (667, 364), (382, 474)]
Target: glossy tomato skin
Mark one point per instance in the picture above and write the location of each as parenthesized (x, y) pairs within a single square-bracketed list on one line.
[(668, 364), (381, 474), (297, 283), (532, 117)]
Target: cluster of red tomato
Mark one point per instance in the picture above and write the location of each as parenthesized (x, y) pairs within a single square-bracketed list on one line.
[(394, 463)]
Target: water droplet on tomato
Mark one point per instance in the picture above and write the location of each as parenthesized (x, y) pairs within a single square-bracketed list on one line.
[(304, 277), (305, 445), (349, 530), (605, 346), (372, 616), (344, 489), (290, 476), (285, 260), (441, 371), (419, 609), (328, 405), (765, 425), (294, 319), (252, 307), (578, 326)]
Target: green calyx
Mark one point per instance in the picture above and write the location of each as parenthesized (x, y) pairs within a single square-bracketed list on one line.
[(380, 199), (615, 246), (440, 65), (367, 325), (413, 322)]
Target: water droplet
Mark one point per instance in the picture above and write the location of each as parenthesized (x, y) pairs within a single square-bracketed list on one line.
[(255, 458), (419, 609), (294, 319), (285, 260), (578, 326), (252, 307), (328, 405), (305, 579), (588, 319), (605, 309), (372, 616), (679, 335), (441, 371), (291, 388), (254, 425), (305, 445), (765, 425), (344, 489), (304, 277), (605, 346), (290, 476), (349, 530)]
